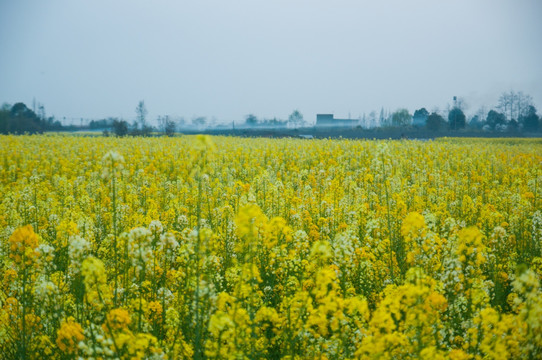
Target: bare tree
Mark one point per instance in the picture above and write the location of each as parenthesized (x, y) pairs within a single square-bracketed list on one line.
[(296, 119), (514, 104), (141, 114), (169, 126), (401, 117), (372, 119), (461, 104), (199, 121)]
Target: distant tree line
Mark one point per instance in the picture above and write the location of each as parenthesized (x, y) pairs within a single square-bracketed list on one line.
[(514, 112), (19, 119), (140, 127), (295, 120), (101, 124)]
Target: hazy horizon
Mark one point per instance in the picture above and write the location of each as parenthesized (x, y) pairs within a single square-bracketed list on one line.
[(225, 60)]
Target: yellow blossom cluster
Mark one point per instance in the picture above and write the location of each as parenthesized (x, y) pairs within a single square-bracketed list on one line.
[(236, 248), (69, 335)]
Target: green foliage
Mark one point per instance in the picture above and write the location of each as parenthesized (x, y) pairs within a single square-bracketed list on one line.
[(435, 122), (420, 117), (169, 127), (19, 119), (495, 119), (120, 127), (251, 119), (401, 118), (531, 121), (456, 119)]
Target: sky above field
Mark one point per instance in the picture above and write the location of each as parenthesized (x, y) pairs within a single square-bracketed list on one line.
[(226, 59)]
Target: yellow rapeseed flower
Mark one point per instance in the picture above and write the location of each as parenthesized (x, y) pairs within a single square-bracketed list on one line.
[(22, 245), (69, 335)]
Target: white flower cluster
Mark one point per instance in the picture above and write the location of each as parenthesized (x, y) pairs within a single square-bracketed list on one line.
[(139, 247), (78, 250), (44, 289), (97, 345), (343, 248), (182, 220), (168, 244), (166, 294), (156, 227), (46, 255), (111, 160)]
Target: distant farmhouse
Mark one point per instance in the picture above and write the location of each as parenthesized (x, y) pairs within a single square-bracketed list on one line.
[(328, 120)]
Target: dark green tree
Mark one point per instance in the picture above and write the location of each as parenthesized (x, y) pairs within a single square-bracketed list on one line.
[(251, 120), (435, 122), (120, 127), (4, 119), (495, 119), (475, 122), (169, 126), (456, 119), (420, 117), (23, 120), (531, 121)]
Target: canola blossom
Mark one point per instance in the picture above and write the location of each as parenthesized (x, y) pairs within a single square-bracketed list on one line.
[(200, 247)]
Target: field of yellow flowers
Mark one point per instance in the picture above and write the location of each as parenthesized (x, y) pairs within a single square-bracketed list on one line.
[(213, 248)]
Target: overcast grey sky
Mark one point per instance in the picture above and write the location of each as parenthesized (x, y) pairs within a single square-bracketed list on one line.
[(226, 59)]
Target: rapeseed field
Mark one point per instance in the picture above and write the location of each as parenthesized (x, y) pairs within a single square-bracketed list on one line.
[(199, 247)]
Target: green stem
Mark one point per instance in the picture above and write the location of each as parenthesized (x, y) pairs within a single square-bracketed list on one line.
[(114, 186), (198, 353)]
